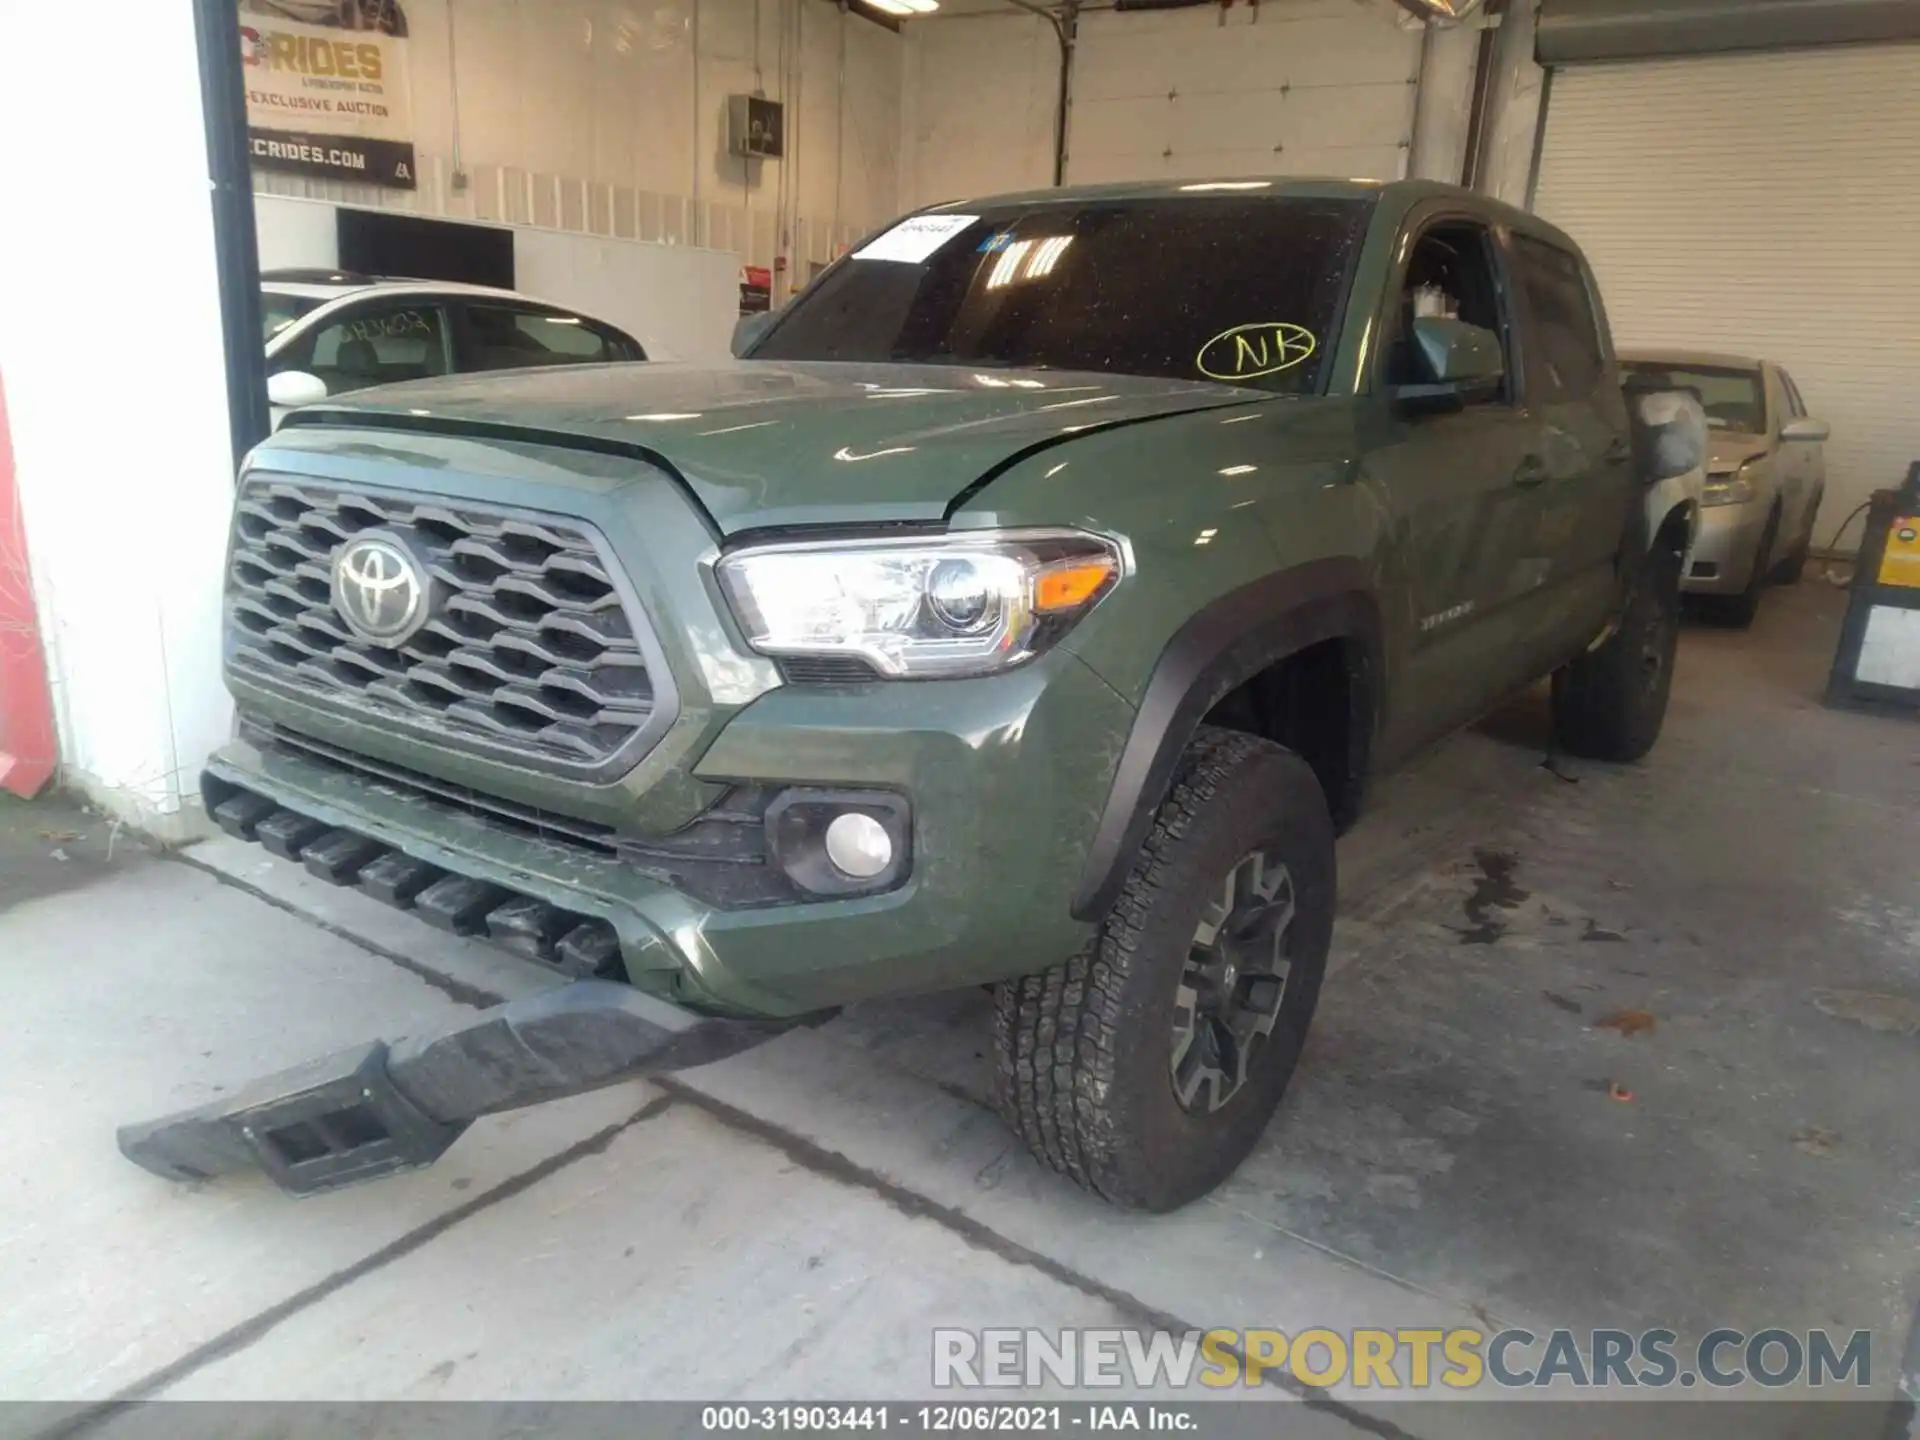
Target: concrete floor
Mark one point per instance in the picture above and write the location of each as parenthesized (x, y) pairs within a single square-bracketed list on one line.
[(794, 1222)]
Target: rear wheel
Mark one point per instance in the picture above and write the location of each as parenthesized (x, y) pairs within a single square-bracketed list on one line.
[(1610, 703), (1147, 1066)]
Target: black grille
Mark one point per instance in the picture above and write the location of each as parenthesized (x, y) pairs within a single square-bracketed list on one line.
[(522, 819), (530, 648), (826, 670)]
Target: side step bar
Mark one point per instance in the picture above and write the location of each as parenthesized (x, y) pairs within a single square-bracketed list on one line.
[(378, 1108)]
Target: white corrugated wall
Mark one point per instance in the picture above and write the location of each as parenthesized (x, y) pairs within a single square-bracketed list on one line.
[(1765, 205), (1289, 87), (1292, 87)]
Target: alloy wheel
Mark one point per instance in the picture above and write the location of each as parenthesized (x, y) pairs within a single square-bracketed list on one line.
[(1233, 983)]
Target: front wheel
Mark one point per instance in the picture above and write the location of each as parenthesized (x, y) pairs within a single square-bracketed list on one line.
[(1148, 1065), (1789, 570), (1610, 703), (1739, 610)]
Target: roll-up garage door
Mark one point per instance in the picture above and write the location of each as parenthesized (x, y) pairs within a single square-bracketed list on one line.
[(1312, 87), (1766, 205)]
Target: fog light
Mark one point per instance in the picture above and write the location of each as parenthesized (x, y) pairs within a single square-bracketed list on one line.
[(840, 842), (858, 845)]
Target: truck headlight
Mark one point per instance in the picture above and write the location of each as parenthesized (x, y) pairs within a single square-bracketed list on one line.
[(1735, 489), (968, 603)]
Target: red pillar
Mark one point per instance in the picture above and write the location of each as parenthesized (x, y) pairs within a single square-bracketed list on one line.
[(26, 704)]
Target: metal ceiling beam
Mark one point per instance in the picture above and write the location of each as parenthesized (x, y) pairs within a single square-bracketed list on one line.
[(1577, 31)]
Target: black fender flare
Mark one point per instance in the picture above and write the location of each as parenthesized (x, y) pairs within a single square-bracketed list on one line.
[(1216, 651)]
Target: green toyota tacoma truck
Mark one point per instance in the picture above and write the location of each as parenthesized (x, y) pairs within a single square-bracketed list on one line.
[(1028, 607)]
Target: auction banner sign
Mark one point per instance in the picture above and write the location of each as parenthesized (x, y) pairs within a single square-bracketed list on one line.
[(327, 89)]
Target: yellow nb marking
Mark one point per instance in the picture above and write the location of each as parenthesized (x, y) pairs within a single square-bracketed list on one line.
[(1246, 352)]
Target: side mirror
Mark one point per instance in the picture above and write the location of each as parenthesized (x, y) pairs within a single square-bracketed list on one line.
[(1459, 360), (287, 388), (749, 329), (1670, 431), (1456, 353), (1805, 428)]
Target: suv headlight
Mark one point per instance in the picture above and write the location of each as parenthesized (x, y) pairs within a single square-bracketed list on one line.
[(1735, 489), (968, 603)]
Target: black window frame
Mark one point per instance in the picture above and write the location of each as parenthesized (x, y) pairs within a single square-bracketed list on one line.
[(359, 307), (1541, 385), (1414, 228), (465, 345)]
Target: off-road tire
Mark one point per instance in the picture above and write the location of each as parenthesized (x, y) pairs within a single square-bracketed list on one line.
[(1738, 611), (1083, 1050), (1609, 703)]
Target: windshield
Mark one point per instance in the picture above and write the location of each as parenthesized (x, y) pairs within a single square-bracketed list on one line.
[(278, 310), (1247, 291), (1733, 398)]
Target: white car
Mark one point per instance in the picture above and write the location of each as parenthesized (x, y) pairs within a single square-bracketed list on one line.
[(1766, 474), (328, 332)]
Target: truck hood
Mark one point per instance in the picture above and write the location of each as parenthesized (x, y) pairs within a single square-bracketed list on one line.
[(766, 444)]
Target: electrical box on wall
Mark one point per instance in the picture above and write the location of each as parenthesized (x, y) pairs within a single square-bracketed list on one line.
[(755, 127)]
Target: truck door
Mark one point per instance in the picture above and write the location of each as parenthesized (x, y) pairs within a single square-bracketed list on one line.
[(1586, 500), (1456, 485)]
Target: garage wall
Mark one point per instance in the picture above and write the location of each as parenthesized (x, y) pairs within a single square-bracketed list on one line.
[(1762, 204), (123, 466), (582, 116), (680, 301), (1299, 87), (981, 93), (1288, 87)]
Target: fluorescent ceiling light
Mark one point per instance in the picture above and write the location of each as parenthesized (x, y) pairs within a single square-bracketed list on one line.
[(1441, 9), (1048, 255), (1231, 185), (1008, 263), (906, 7)]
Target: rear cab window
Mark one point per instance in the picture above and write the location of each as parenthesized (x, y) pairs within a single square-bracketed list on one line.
[(1244, 291), (1566, 353)]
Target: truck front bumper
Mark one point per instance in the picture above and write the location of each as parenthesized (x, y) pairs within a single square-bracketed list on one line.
[(1003, 777)]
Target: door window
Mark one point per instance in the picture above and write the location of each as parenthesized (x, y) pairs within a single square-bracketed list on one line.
[(1450, 276), (374, 344), (1566, 358), (503, 337)]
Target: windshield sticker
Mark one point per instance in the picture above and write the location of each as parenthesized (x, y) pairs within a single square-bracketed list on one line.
[(915, 238), (995, 242), (1246, 352)]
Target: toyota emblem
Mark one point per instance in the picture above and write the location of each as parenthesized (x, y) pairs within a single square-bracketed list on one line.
[(380, 590)]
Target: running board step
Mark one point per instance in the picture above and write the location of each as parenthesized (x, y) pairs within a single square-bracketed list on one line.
[(379, 1109)]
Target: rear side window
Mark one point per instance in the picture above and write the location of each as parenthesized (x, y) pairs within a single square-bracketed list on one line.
[(1247, 291), (504, 338), (1565, 359), (378, 343)]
